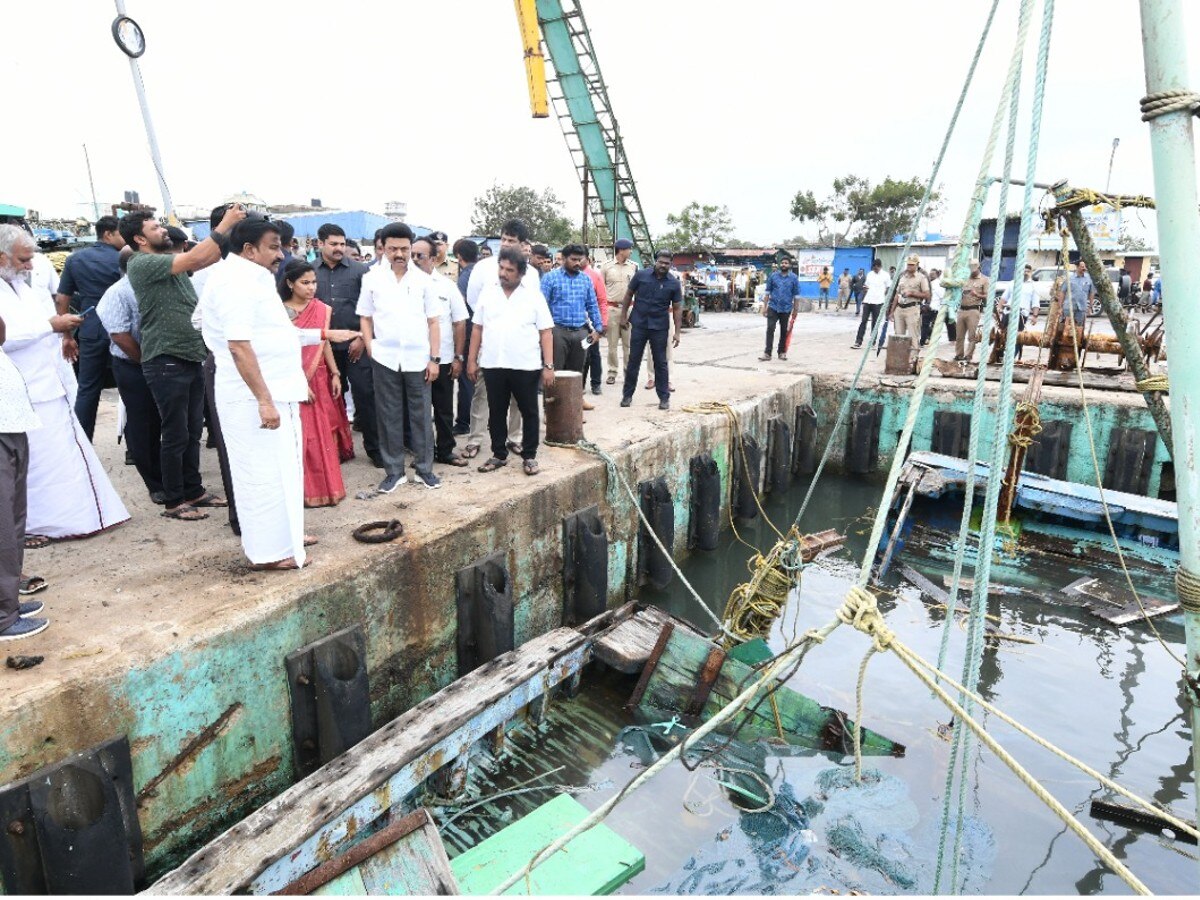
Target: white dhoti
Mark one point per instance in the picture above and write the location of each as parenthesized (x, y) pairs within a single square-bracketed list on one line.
[(69, 492), (268, 479)]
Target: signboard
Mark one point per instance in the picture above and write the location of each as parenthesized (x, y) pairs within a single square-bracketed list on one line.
[(809, 263), (1104, 224)]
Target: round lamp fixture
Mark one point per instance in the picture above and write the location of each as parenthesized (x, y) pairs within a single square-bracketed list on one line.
[(128, 35)]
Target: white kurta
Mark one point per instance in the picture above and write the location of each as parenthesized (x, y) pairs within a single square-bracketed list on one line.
[(241, 303), (69, 494)]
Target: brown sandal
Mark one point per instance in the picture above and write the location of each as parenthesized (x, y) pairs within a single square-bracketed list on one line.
[(530, 466), (493, 464), (184, 512)]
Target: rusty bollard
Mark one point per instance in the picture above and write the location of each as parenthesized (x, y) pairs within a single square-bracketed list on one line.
[(564, 408)]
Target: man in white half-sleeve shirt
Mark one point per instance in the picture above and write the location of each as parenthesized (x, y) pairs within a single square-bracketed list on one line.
[(69, 493), (259, 385), (486, 272), (399, 313)]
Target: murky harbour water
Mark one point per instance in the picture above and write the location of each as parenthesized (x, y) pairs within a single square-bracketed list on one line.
[(1110, 696)]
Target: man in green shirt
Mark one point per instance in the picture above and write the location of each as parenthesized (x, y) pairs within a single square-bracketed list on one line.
[(172, 350)]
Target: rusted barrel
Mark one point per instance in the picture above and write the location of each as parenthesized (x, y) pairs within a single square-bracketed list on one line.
[(564, 408)]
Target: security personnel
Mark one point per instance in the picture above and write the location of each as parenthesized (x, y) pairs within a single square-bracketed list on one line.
[(617, 273), (906, 305), (974, 295), (445, 264)]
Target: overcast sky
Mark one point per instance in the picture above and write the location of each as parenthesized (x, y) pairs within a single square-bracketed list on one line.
[(358, 103)]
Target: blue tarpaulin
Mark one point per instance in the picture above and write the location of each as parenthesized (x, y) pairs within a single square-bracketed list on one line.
[(358, 224)]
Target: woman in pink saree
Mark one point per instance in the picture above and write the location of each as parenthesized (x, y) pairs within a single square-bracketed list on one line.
[(323, 421)]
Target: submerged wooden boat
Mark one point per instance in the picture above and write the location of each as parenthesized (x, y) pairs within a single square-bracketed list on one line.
[(331, 822)]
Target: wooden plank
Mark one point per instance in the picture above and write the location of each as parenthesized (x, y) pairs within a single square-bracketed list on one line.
[(311, 821), (628, 646), (651, 664), (595, 863), (1113, 604), (413, 849), (704, 684), (806, 723)]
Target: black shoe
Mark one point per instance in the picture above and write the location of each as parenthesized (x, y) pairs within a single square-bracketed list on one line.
[(158, 498), (855, 346), (627, 401), (376, 460), (596, 389), (664, 404)]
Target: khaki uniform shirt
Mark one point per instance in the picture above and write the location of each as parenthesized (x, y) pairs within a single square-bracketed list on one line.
[(914, 282), (616, 278), (449, 268), (974, 289)]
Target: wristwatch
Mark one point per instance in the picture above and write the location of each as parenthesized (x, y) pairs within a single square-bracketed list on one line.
[(459, 357), (549, 366), (436, 359)]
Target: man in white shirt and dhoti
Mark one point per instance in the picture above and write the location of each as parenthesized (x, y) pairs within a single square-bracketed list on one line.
[(69, 493), (259, 385)]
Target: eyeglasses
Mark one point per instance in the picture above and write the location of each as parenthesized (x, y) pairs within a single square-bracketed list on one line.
[(420, 256)]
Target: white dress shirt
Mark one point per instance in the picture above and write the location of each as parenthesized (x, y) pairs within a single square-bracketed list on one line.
[(400, 312), (1027, 298), (31, 344), (453, 309), (877, 287), (510, 327), (241, 303), (487, 271), (937, 294)]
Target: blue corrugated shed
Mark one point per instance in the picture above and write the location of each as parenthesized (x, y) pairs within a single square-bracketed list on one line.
[(852, 258), (358, 224)]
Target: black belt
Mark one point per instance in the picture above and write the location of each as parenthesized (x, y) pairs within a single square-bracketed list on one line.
[(908, 305), (968, 308)]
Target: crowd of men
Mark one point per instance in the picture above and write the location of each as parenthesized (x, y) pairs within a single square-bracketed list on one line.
[(424, 349)]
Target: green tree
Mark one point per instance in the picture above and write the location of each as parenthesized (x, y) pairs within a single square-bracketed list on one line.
[(860, 212), (697, 227), (543, 213)]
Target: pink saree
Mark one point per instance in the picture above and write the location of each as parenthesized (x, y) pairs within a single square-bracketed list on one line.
[(325, 427)]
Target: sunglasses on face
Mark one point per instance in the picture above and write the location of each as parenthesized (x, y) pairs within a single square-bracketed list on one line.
[(420, 256)]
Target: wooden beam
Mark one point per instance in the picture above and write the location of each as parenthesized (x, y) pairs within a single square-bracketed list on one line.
[(429, 861), (309, 823)]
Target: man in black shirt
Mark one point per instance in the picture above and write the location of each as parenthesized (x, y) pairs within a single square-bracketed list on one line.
[(339, 280), (657, 298)]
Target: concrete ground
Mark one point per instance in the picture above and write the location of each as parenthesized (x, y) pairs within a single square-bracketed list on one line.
[(140, 590)]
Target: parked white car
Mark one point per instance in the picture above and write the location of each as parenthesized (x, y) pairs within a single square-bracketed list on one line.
[(1043, 280)]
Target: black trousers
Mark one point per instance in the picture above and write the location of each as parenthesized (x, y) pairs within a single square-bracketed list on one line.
[(218, 439), (519, 385), (466, 390), (442, 391), (594, 368), (178, 389), (639, 337), (361, 380), (94, 358), (927, 319), (781, 319), (569, 355), (869, 311), (143, 427)]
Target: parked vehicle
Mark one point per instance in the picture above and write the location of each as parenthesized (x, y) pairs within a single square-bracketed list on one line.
[(1043, 280)]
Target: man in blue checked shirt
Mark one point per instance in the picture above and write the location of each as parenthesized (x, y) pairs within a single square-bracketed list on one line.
[(575, 310), (783, 287)]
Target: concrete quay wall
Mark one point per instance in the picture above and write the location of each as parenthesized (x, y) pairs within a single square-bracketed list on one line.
[(208, 715)]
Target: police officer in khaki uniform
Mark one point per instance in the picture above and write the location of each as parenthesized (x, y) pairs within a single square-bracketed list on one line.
[(447, 265), (974, 295), (617, 273), (906, 303)]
